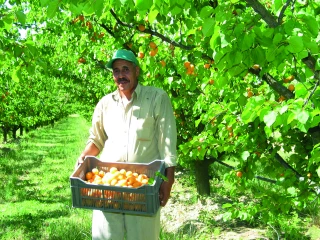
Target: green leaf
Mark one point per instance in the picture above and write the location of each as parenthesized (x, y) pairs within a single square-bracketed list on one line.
[(151, 181), (302, 116), (245, 155), (227, 216), (224, 41), (268, 131), (18, 51), (44, 3), (159, 174), (152, 15), (295, 44), (291, 190), (221, 82), (318, 171), (302, 127), (270, 54), (98, 7), (247, 41), (197, 122), (41, 63), (248, 115), (301, 91), (236, 70), (243, 215), (21, 17), (303, 54), (16, 74), (235, 57), (258, 56), (278, 4), (32, 49), (277, 38), (206, 12), (270, 118), (289, 25), (215, 36), (208, 27), (315, 121), (176, 10), (226, 205), (143, 5), (75, 9), (291, 117), (52, 8), (8, 21), (312, 46), (312, 24), (283, 109)]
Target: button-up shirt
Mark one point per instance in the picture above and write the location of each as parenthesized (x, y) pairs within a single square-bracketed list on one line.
[(142, 130)]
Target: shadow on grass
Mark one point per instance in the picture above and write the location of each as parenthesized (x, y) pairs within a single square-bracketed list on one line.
[(36, 169)]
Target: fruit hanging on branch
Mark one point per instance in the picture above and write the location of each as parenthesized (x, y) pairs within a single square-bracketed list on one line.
[(141, 28), (288, 79), (81, 60), (291, 87)]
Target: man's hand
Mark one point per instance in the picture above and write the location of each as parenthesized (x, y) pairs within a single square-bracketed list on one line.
[(165, 188), (90, 150), (78, 162), (164, 193)]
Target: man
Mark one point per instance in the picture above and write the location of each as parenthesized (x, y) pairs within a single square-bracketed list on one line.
[(133, 124)]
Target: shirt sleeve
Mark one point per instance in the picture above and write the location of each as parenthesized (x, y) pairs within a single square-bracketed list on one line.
[(166, 131), (97, 133)]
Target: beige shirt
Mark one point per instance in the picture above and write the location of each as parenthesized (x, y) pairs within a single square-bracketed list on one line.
[(141, 130)]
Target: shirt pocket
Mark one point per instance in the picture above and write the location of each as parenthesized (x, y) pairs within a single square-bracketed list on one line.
[(145, 129)]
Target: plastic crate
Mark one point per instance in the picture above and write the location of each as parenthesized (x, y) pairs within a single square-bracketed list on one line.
[(143, 200)]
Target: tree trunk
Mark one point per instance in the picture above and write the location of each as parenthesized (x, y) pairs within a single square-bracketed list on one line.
[(315, 135), (14, 132), (202, 176), (21, 130), (5, 134)]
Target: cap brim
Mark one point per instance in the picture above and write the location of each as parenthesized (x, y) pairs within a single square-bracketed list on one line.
[(109, 64)]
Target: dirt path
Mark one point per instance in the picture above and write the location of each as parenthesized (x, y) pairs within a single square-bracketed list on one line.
[(181, 216), (177, 217)]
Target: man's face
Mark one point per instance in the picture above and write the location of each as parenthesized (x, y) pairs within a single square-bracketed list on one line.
[(125, 75)]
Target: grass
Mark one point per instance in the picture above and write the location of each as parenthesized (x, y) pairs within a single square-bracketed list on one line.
[(35, 199), (34, 173)]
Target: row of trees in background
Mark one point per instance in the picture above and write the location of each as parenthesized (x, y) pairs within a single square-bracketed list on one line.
[(243, 77)]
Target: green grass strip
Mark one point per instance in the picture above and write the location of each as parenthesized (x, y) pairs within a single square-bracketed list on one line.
[(35, 199)]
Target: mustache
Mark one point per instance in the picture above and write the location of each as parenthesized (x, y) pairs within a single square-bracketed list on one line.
[(119, 80)]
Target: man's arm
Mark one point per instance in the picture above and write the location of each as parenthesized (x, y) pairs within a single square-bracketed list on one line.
[(165, 188), (90, 150)]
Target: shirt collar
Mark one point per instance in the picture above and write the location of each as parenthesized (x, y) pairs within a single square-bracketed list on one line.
[(136, 93)]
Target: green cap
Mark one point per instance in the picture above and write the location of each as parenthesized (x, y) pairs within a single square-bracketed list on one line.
[(125, 55)]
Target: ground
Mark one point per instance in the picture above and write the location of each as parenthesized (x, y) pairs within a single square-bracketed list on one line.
[(182, 213)]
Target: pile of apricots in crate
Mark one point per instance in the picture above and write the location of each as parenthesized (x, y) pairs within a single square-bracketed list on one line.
[(115, 177)]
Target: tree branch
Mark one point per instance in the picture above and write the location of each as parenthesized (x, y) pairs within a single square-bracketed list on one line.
[(312, 92), (286, 165), (281, 15), (263, 12), (311, 64), (258, 177), (275, 85), (108, 30), (310, 61), (154, 33)]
